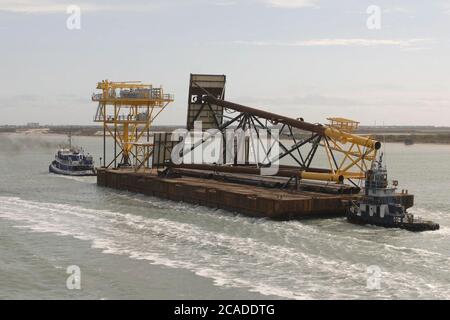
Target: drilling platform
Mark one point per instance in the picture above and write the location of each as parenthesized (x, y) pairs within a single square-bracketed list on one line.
[(127, 111), (268, 165)]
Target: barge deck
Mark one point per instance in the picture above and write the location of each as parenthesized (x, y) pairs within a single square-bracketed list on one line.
[(251, 200)]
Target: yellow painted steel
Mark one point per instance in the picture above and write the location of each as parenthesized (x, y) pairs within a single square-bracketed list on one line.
[(349, 155), (345, 137), (343, 124), (321, 176), (127, 110)]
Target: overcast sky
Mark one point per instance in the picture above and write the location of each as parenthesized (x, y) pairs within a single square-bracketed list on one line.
[(308, 58)]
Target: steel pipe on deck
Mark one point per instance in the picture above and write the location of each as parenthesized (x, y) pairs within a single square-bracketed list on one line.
[(301, 174)]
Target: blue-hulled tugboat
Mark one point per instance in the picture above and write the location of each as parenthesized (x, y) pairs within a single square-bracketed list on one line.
[(72, 161), (380, 207)]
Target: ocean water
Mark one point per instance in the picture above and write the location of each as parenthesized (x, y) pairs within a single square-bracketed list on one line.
[(131, 246)]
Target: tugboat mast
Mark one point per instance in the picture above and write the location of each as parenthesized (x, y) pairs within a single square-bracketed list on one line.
[(70, 139)]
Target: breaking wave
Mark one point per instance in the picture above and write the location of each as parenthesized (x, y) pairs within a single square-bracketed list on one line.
[(293, 260)]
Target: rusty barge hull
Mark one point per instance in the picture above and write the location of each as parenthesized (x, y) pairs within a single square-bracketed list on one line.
[(253, 201)]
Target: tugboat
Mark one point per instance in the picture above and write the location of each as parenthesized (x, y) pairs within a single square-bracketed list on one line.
[(380, 207), (72, 161)]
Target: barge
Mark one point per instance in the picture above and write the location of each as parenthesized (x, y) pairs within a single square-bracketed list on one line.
[(228, 157), (251, 200)]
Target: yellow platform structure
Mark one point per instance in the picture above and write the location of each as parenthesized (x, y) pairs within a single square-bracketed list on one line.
[(127, 111), (348, 154)]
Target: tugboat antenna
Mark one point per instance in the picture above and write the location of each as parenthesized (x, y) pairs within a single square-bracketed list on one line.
[(384, 145), (70, 139)]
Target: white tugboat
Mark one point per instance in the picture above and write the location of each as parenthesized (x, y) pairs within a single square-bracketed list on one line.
[(380, 207), (72, 161)]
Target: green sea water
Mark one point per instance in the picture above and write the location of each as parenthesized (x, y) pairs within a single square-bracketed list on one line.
[(131, 246)]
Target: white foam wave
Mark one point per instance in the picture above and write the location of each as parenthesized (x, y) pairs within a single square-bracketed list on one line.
[(87, 179), (230, 260), (294, 229)]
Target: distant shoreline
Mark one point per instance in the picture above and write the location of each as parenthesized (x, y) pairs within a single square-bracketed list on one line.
[(407, 135)]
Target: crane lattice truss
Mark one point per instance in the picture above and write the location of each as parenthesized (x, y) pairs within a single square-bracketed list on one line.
[(127, 111), (348, 156)]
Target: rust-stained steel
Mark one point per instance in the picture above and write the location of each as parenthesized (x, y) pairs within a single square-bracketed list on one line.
[(250, 200), (275, 118)]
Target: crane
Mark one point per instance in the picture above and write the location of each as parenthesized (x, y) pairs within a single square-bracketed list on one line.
[(349, 156)]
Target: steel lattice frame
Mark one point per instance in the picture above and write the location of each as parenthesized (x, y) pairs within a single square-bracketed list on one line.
[(349, 156)]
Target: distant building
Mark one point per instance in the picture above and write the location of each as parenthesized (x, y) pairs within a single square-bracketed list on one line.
[(33, 124)]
